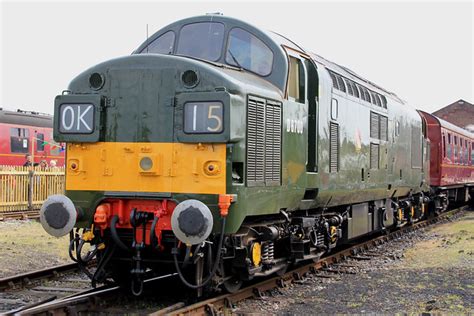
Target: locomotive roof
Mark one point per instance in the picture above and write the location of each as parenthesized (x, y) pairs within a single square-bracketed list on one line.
[(276, 42), (26, 118), (344, 71)]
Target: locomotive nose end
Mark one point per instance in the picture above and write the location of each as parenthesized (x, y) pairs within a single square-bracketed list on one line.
[(58, 215), (192, 222)]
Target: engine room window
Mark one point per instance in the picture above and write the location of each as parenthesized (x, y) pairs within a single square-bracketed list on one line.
[(342, 86), (201, 40), (334, 80), (349, 87), (361, 92), (296, 81), (248, 52), (161, 45), (354, 88)]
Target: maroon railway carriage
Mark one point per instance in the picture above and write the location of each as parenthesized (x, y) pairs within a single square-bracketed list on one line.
[(23, 132), (452, 158)]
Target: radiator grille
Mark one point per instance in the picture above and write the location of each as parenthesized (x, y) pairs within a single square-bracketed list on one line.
[(263, 142), (383, 128), (374, 125), (374, 156), (333, 147), (272, 143)]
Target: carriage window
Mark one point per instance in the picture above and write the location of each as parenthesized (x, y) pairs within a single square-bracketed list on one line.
[(455, 147), (161, 45), (472, 154), (19, 142), (466, 153), (39, 142), (246, 51), (444, 146), (449, 147), (296, 81), (201, 40)]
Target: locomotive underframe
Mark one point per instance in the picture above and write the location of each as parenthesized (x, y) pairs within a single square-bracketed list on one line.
[(281, 240)]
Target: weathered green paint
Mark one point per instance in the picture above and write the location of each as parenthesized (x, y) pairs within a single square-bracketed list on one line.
[(145, 98)]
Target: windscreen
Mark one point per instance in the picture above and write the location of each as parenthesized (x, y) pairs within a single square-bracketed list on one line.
[(202, 40)]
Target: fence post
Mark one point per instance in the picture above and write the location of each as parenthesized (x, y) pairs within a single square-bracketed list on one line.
[(30, 189)]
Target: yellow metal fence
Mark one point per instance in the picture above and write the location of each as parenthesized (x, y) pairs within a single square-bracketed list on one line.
[(26, 188)]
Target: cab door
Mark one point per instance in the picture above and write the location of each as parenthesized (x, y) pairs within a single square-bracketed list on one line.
[(300, 123)]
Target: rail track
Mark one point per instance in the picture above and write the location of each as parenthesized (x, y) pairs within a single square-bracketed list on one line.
[(19, 215), (25, 279), (90, 300)]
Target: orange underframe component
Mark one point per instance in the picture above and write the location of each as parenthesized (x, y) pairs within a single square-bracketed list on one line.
[(162, 209), (101, 215), (224, 203)]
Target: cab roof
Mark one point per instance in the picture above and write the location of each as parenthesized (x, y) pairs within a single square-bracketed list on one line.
[(275, 42)]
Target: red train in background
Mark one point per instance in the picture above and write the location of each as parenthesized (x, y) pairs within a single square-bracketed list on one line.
[(451, 157), (23, 132)]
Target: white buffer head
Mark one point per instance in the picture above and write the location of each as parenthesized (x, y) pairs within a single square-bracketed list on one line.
[(58, 215), (192, 222)]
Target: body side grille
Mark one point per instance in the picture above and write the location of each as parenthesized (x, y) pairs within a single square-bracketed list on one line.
[(333, 147), (263, 142)]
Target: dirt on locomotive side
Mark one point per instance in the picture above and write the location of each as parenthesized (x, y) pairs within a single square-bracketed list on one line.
[(428, 270)]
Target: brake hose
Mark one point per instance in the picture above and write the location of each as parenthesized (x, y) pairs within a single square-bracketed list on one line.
[(114, 234), (214, 268)]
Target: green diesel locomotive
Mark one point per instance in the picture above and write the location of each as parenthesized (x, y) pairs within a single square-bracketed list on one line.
[(224, 152)]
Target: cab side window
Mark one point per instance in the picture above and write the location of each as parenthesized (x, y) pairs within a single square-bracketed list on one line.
[(296, 81), (161, 45)]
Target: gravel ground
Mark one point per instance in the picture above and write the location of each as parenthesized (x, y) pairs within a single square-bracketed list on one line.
[(25, 246), (425, 271)]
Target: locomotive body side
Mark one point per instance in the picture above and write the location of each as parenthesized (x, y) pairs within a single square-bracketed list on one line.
[(399, 165)]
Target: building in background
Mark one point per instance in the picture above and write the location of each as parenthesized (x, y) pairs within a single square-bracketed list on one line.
[(460, 113)]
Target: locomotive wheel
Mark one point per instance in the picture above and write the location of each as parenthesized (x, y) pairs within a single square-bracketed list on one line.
[(233, 284), (283, 270)]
